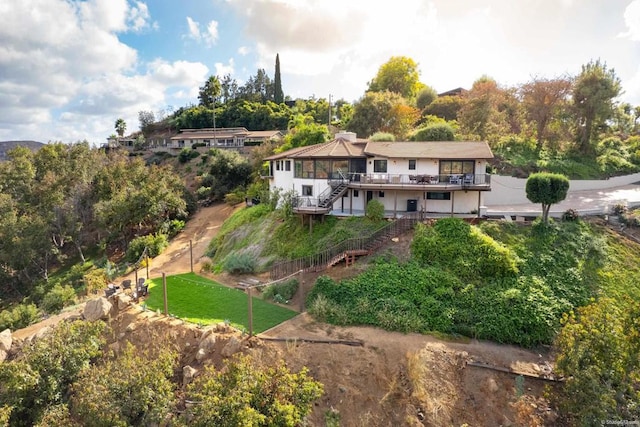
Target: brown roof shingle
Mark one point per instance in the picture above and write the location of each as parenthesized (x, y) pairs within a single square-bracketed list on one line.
[(430, 150)]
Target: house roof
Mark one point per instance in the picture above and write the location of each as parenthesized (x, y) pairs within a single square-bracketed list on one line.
[(264, 133), (341, 148), (338, 148), (430, 150)]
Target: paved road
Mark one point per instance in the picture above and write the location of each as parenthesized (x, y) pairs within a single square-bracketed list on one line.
[(596, 201)]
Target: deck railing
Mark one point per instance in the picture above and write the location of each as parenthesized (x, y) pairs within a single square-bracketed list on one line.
[(323, 259), (458, 179)]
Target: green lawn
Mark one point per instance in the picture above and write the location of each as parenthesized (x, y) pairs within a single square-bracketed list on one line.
[(200, 300)]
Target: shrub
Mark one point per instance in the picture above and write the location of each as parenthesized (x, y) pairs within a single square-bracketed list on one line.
[(95, 280), (619, 209), (172, 227), (133, 388), (382, 137), (240, 263), (244, 393), (155, 244), (20, 316), (281, 292), (598, 356), (434, 132), (570, 215), (58, 298), (43, 375), (235, 197), (375, 210), (187, 154)]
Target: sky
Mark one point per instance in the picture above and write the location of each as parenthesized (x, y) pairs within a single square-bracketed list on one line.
[(69, 68)]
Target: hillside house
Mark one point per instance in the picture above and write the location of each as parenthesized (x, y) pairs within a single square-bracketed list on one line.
[(341, 176), (222, 137)]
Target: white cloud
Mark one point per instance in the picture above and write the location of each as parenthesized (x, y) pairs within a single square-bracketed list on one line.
[(212, 33), (208, 37), (138, 17), (632, 21), (222, 69), (70, 80), (243, 50)]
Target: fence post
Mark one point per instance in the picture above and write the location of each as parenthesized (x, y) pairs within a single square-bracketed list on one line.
[(164, 291), (191, 253), (250, 312)]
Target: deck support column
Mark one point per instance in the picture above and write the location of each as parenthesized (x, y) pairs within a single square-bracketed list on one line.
[(395, 204), (453, 198), (350, 202), (479, 194)]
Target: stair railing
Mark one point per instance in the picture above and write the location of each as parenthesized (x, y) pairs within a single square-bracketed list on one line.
[(321, 260)]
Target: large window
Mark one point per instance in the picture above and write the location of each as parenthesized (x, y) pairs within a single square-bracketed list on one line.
[(339, 167), (323, 167), (380, 166), (303, 169), (287, 165), (307, 190), (448, 167), (437, 195)]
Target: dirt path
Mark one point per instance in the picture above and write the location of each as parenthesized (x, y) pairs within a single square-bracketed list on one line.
[(199, 230)]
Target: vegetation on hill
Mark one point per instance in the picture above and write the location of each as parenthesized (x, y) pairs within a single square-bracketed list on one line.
[(257, 236), (71, 204), (505, 283), (69, 378)]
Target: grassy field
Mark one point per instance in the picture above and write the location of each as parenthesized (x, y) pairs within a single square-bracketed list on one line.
[(200, 300)]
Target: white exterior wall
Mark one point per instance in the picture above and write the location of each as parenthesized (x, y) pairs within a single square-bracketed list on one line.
[(284, 180), (464, 202), (423, 166)]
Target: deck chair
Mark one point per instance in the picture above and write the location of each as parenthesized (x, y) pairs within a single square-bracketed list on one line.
[(126, 284), (468, 179)]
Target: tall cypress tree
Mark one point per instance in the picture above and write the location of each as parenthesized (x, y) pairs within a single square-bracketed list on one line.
[(278, 94)]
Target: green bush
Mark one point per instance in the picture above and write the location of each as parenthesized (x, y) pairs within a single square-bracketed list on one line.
[(95, 280), (434, 132), (20, 316), (240, 263), (374, 210), (187, 154), (244, 393), (155, 244), (382, 137), (132, 389), (598, 357), (172, 227), (281, 292), (58, 298), (570, 215), (43, 375), (465, 250)]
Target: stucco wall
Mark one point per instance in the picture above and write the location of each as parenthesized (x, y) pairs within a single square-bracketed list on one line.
[(507, 190)]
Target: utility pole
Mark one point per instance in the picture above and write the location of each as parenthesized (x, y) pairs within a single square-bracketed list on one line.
[(214, 121), (329, 112)]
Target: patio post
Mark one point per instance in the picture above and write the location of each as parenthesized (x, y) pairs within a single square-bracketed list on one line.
[(250, 312), (164, 293)]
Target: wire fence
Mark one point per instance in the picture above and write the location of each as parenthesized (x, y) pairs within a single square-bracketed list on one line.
[(359, 245)]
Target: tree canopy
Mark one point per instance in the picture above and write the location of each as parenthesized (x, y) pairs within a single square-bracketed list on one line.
[(399, 75), (593, 94), (547, 189)]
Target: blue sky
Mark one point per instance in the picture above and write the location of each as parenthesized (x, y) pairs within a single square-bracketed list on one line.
[(70, 68)]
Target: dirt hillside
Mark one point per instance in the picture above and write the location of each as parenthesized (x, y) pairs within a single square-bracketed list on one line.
[(390, 379)]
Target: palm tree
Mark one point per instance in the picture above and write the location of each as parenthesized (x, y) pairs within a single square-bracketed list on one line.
[(121, 126)]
